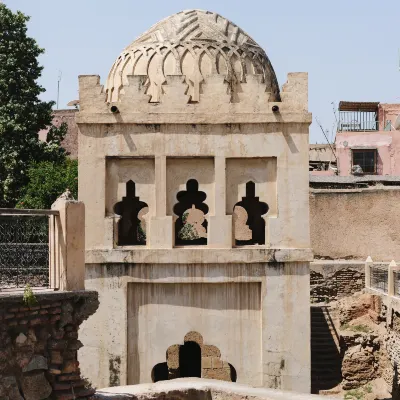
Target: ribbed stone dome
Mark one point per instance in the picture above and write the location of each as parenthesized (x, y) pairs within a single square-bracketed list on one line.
[(195, 44)]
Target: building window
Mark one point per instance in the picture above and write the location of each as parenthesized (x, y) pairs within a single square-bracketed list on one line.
[(366, 159)]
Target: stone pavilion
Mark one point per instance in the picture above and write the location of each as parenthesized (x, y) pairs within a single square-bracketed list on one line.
[(193, 166)]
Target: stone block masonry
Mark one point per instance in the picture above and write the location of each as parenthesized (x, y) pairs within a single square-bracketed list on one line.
[(39, 344), (172, 167)]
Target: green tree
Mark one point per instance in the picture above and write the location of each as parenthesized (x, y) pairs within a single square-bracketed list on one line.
[(22, 113), (47, 181)]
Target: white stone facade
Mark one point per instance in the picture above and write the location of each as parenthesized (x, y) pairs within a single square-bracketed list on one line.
[(240, 275)]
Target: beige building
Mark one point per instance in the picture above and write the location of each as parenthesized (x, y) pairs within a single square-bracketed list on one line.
[(193, 167)]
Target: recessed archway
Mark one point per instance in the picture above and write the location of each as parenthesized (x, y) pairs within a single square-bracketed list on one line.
[(132, 225), (193, 359), (191, 224)]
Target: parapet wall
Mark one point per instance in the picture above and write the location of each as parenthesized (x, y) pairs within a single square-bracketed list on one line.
[(352, 224), (39, 344)]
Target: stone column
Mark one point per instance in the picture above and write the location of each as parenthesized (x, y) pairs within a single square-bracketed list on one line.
[(161, 226), (220, 224), (67, 244), (286, 352), (368, 265)]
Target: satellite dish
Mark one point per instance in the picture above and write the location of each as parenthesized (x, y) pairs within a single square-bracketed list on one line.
[(397, 123), (345, 143)]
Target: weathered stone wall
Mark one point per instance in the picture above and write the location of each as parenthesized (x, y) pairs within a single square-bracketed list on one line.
[(392, 339), (233, 306), (39, 344), (332, 280), (370, 340), (353, 224), (364, 356), (391, 315)]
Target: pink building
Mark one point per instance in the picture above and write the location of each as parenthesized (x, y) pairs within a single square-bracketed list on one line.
[(70, 142), (368, 136)]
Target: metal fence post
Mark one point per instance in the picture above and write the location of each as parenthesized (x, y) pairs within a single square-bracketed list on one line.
[(391, 269)]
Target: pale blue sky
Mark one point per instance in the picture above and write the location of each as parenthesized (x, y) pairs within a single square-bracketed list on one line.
[(348, 47)]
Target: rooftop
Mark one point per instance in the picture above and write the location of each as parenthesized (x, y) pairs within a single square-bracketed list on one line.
[(358, 106), (348, 182), (194, 44)]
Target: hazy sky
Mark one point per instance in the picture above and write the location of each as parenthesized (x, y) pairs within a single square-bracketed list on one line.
[(348, 47)]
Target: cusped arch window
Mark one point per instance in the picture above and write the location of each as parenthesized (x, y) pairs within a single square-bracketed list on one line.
[(133, 212)]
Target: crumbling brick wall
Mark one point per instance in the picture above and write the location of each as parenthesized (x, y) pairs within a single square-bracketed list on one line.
[(39, 345), (392, 345), (334, 282)]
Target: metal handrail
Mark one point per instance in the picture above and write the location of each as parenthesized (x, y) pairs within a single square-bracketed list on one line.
[(39, 249), (358, 126), (20, 211)]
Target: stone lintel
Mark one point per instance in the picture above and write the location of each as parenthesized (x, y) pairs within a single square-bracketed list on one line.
[(197, 389), (192, 255)]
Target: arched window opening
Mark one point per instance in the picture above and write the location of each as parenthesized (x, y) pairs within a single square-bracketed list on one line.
[(191, 224), (159, 372), (193, 359), (133, 212), (249, 224)]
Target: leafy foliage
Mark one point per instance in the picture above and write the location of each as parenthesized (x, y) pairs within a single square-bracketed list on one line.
[(355, 328), (29, 297), (358, 394), (47, 181), (22, 113)]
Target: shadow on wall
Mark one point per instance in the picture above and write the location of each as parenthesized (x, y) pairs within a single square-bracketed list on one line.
[(132, 225), (325, 357), (247, 215)]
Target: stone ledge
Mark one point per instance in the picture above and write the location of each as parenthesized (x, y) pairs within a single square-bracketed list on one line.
[(197, 256), (16, 296), (192, 118), (197, 389)]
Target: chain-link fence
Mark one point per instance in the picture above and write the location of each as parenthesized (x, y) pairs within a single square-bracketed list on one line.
[(24, 248), (379, 277), (396, 283)]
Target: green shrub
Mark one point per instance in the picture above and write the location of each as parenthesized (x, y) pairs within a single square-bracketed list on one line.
[(355, 328), (355, 394), (29, 297), (360, 328), (47, 181)]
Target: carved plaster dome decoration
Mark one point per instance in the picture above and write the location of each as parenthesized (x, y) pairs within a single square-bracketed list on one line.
[(199, 46)]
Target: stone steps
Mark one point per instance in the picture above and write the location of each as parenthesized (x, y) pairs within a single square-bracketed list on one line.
[(325, 357)]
